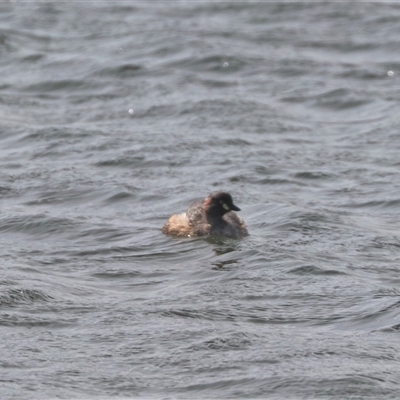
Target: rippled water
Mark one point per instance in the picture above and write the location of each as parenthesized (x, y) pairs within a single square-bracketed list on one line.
[(115, 115)]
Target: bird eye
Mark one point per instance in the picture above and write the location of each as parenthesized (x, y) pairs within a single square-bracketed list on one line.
[(225, 206)]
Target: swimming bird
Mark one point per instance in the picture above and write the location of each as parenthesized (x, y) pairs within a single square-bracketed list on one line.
[(212, 216)]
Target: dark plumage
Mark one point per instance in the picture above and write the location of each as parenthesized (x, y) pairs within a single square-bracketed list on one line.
[(212, 216)]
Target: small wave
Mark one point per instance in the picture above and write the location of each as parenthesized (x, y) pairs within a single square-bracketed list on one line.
[(56, 134), (121, 161), (394, 203), (335, 100), (314, 270), (60, 85), (15, 297), (73, 196), (118, 197), (313, 175), (12, 321), (123, 71), (208, 314), (214, 63), (129, 161), (116, 275), (6, 191), (276, 181), (374, 316), (236, 341), (307, 222), (35, 224)]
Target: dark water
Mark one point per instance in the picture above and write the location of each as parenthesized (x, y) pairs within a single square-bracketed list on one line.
[(114, 115)]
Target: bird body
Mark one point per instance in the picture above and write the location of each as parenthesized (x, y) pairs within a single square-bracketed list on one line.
[(213, 216)]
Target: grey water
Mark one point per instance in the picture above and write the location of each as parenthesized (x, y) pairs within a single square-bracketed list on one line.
[(115, 115)]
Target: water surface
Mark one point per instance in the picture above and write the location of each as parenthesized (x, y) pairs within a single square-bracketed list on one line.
[(115, 115)]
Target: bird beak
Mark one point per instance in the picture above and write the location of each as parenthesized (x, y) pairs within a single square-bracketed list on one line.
[(235, 208)]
